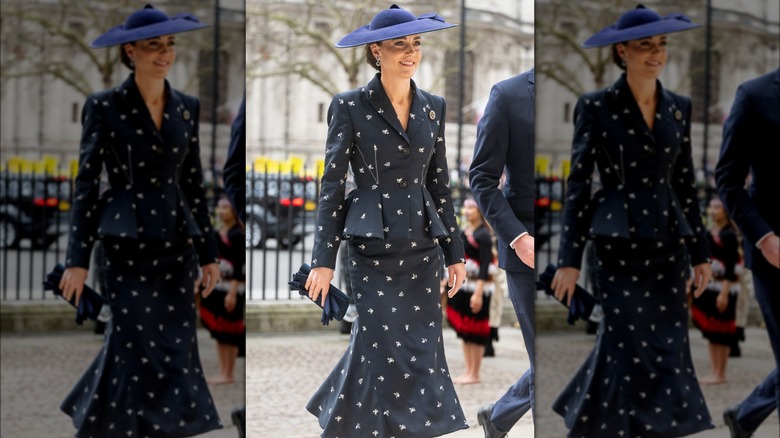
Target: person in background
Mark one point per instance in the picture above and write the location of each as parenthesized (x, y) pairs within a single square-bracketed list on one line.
[(714, 311), (468, 312), (222, 311)]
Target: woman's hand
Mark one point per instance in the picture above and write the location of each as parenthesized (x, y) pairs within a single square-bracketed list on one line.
[(72, 282), (230, 298), (564, 282), (722, 302), (209, 278), (319, 283), (702, 273), (476, 302), (456, 274)]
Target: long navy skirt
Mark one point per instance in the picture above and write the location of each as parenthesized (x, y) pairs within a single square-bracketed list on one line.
[(639, 380), (393, 380), (147, 381)]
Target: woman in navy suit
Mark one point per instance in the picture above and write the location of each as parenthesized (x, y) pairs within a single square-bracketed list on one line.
[(647, 230), (393, 379), (147, 380)]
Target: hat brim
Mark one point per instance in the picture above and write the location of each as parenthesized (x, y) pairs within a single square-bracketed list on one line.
[(610, 35), (363, 35), (118, 35)]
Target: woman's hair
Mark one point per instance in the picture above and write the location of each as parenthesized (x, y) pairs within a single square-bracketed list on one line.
[(370, 58), (123, 56), (616, 59)]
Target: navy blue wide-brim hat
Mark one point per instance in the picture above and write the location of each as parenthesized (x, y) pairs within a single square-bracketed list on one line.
[(395, 22), (637, 23), (147, 23)]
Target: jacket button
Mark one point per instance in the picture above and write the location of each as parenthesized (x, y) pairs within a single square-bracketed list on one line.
[(405, 151), (402, 183)]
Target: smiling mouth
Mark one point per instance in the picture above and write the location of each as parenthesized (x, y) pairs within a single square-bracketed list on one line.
[(407, 63)]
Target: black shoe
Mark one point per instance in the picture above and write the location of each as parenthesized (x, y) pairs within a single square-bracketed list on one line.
[(489, 351), (483, 418), (239, 420), (730, 417), (735, 350)]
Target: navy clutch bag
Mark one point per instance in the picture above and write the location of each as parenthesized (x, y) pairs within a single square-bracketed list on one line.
[(336, 303), (90, 303), (582, 301)]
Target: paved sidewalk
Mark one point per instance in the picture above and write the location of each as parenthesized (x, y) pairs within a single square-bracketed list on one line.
[(39, 370), (283, 371), (559, 354)]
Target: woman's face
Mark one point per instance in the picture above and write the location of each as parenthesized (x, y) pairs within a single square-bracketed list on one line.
[(645, 57), (470, 212), (399, 57), (153, 57), (716, 211), (225, 210)]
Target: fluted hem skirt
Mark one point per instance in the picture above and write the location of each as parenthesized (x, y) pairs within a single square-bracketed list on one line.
[(639, 379), (147, 380), (393, 380)]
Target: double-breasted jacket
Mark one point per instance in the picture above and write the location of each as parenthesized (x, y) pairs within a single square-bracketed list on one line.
[(402, 183), (154, 175), (648, 184)]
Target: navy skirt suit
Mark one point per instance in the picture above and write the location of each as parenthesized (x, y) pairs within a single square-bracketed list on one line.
[(646, 225), (154, 222), (393, 380)]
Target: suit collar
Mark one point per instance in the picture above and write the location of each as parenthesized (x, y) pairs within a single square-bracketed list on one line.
[(381, 103), (629, 108)]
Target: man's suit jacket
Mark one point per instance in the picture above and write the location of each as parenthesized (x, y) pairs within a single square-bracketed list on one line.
[(648, 188), (234, 175), (750, 143), (155, 176), (402, 184), (505, 141)]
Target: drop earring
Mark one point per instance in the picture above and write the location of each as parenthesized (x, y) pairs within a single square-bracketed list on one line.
[(377, 61)]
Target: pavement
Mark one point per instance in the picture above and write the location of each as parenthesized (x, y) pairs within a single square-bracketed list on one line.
[(284, 370), (559, 355), (39, 370)]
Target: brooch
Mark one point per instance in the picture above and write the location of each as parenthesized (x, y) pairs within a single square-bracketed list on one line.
[(186, 115), (432, 115), (678, 114)]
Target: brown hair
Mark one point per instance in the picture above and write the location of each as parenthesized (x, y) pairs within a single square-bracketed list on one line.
[(616, 59), (124, 57)]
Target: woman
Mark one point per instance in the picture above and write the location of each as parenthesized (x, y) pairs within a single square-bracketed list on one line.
[(147, 380), (714, 311), (393, 379), (639, 379), (469, 311), (222, 312)]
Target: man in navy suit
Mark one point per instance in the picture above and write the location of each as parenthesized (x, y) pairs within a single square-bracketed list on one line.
[(505, 142), (750, 146)]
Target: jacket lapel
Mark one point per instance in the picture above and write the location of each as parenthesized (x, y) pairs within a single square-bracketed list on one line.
[(531, 83), (175, 118), (419, 112), (381, 103)]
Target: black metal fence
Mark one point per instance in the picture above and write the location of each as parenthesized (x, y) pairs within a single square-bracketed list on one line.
[(280, 222)]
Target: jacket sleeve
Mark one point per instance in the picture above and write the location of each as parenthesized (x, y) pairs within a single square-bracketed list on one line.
[(331, 211), (490, 156), (485, 241), (191, 183), (437, 181), (684, 185), (576, 210), (739, 135), (85, 212), (234, 174)]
